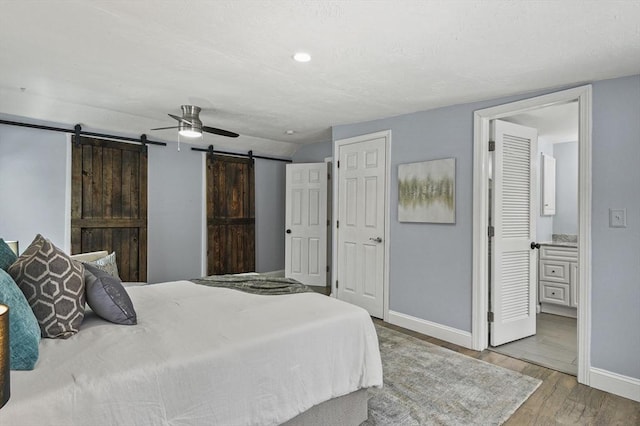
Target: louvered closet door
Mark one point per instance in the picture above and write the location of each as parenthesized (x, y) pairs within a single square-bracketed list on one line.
[(513, 262)]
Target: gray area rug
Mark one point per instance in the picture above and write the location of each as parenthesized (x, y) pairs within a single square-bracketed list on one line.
[(425, 384)]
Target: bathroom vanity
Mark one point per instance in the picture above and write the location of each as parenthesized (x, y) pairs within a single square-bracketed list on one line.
[(558, 278)]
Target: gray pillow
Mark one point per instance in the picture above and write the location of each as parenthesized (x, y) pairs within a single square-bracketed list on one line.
[(107, 264), (53, 284), (107, 297)]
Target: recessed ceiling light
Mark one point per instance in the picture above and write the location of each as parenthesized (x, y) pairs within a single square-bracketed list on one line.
[(302, 57), (289, 132)]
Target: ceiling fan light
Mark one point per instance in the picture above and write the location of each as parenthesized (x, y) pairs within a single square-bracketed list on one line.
[(190, 133), (192, 127)]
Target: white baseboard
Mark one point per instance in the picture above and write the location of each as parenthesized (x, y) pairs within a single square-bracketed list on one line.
[(278, 273), (439, 331), (625, 386), (564, 311)]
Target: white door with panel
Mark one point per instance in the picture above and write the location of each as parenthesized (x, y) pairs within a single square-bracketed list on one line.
[(514, 212), (361, 222), (306, 223)]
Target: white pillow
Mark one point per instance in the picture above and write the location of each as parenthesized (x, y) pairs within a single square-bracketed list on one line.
[(90, 257)]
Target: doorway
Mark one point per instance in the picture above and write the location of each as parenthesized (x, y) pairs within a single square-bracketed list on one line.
[(554, 220), (306, 223), (480, 277), (361, 229)]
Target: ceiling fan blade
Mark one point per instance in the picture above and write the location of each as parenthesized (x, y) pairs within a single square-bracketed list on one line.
[(163, 128), (175, 117), (220, 132)]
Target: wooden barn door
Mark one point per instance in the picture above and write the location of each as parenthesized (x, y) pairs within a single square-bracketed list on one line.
[(109, 202), (230, 215)]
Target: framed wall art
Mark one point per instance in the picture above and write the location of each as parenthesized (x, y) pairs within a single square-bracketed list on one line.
[(427, 191)]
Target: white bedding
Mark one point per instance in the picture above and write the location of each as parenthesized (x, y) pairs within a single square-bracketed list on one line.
[(200, 356)]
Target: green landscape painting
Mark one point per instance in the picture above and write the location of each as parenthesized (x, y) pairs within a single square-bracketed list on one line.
[(427, 191)]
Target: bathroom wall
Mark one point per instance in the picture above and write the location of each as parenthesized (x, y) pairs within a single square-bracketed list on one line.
[(544, 225), (565, 220)]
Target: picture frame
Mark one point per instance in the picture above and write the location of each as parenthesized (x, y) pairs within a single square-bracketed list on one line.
[(427, 191)]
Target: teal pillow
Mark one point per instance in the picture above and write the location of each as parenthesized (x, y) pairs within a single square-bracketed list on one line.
[(24, 331), (7, 256)]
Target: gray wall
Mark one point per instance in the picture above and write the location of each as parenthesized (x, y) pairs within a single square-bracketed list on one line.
[(270, 199), (33, 178), (175, 210), (430, 265), (565, 220), (544, 225), (313, 153), (33, 182), (616, 251)]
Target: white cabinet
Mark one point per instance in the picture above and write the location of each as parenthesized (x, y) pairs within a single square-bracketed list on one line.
[(557, 279), (548, 185), (574, 281)]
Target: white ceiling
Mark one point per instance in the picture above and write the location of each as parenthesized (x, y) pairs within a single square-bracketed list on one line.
[(121, 66), (555, 124)]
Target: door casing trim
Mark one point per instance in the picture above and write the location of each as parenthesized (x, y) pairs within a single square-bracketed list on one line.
[(480, 284), (386, 134)]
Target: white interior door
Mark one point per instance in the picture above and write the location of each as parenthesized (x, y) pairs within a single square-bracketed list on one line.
[(306, 223), (513, 261), (361, 223)]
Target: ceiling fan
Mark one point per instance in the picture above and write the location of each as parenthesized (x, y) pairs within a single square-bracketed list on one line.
[(190, 126)]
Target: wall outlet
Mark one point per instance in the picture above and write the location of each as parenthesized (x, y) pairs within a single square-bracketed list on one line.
[(617, 218)]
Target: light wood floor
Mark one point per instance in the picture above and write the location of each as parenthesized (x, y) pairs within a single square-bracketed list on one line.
[(560, 399), (555, 344)]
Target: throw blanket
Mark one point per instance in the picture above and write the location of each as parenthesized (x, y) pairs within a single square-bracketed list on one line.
[(255, 284)]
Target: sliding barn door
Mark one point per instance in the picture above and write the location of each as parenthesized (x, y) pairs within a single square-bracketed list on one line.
[(109, 202), (230, 215)]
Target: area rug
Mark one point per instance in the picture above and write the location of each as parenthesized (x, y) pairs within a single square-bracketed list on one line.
[(425, 384)]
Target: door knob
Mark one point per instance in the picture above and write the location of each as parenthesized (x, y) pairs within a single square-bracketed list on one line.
[(288, 231), (377, 239), (534, 245)]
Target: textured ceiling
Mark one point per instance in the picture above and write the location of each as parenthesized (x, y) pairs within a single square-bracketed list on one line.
[(121, 66), (555, 123)]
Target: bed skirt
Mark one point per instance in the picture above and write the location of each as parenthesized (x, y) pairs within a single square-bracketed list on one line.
[(348, 410)]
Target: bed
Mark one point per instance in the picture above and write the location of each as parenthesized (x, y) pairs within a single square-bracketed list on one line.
[(205, 356)]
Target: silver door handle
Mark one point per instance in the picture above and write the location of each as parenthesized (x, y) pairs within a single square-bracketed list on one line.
[(377, 239)]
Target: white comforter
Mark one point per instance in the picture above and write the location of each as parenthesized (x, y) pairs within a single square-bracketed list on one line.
[(200, 356)]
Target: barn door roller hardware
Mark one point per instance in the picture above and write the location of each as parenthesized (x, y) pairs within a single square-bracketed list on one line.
[(249, 154), (77, 131)]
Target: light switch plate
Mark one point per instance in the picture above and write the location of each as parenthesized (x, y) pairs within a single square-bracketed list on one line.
[(617, 218)]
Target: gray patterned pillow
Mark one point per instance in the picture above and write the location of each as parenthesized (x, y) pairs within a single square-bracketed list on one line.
[(54, 287), (107, 297), (107, 264)]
